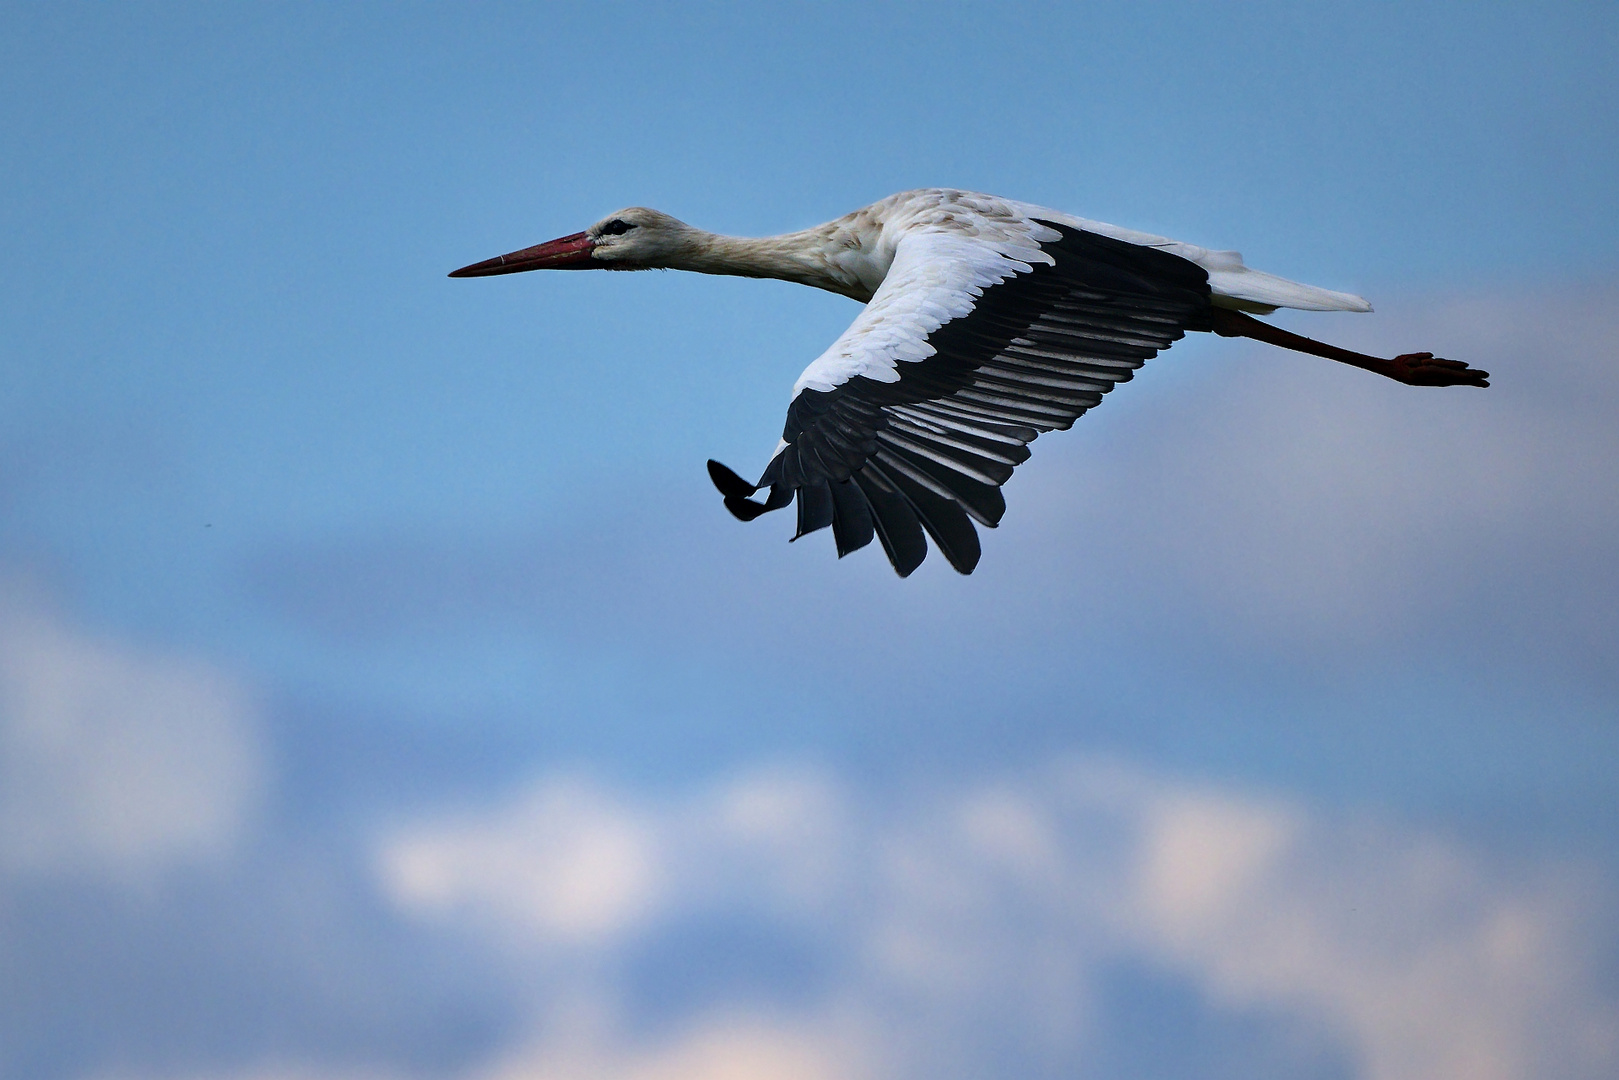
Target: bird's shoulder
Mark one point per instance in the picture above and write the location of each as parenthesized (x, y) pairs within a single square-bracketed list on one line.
[(933, 276), (950, 210)]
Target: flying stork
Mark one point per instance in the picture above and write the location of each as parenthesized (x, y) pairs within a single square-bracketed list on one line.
[(987, 322)]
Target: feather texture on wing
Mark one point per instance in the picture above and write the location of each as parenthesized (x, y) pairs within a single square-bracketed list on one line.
[(973, 346)]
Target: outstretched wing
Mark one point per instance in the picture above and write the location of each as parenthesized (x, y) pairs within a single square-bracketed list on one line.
[(918, 414)]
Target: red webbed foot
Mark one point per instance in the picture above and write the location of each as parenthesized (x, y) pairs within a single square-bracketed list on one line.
[(1426, 369)]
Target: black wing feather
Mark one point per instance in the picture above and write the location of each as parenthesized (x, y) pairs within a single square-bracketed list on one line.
[(894, 520), (930, 452), (814, 507), (852, 525), (943, 519)]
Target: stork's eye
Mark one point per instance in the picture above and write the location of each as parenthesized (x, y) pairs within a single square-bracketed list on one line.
[(616, 227)]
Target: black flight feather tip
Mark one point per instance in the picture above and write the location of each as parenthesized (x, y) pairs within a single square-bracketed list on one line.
[(736, 491), (730, 484)]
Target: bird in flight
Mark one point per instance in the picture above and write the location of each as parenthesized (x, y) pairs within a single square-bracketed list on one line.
[(987, 322)]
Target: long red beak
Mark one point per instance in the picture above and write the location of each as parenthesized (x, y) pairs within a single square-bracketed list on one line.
[(568, 253)]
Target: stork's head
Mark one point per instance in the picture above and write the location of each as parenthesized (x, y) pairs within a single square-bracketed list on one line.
[(633, 239)]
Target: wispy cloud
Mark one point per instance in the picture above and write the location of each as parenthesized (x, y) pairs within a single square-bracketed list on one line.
[(565, 863), (987, 916), (114, 759)]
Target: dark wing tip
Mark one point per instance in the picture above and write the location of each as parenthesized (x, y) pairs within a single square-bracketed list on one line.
[(816, 509), (744, 509), (736, 491), (729, 483), (852, 526), (894, 522)]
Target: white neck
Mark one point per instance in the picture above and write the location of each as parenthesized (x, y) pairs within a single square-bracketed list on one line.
[(813, 257)]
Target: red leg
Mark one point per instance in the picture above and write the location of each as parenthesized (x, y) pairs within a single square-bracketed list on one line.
[(1413, 369)]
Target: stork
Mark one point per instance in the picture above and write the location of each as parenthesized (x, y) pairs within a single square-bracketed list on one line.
[(987, 322)]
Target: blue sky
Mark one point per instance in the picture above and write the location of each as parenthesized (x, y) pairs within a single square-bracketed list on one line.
[(385, 692)]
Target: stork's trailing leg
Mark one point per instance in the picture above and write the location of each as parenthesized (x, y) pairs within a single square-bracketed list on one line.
[(1413, 369)]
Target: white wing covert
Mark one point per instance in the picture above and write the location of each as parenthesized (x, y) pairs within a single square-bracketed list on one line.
[(971, 347)]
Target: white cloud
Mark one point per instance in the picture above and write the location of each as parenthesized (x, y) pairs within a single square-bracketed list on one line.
[(732, 1047), (1427, 961), (565, 862), (1200, 856), (987, 916), (720, 1048), (115, 760)]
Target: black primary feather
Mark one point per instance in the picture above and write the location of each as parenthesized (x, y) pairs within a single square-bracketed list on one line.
[(931, 451)]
